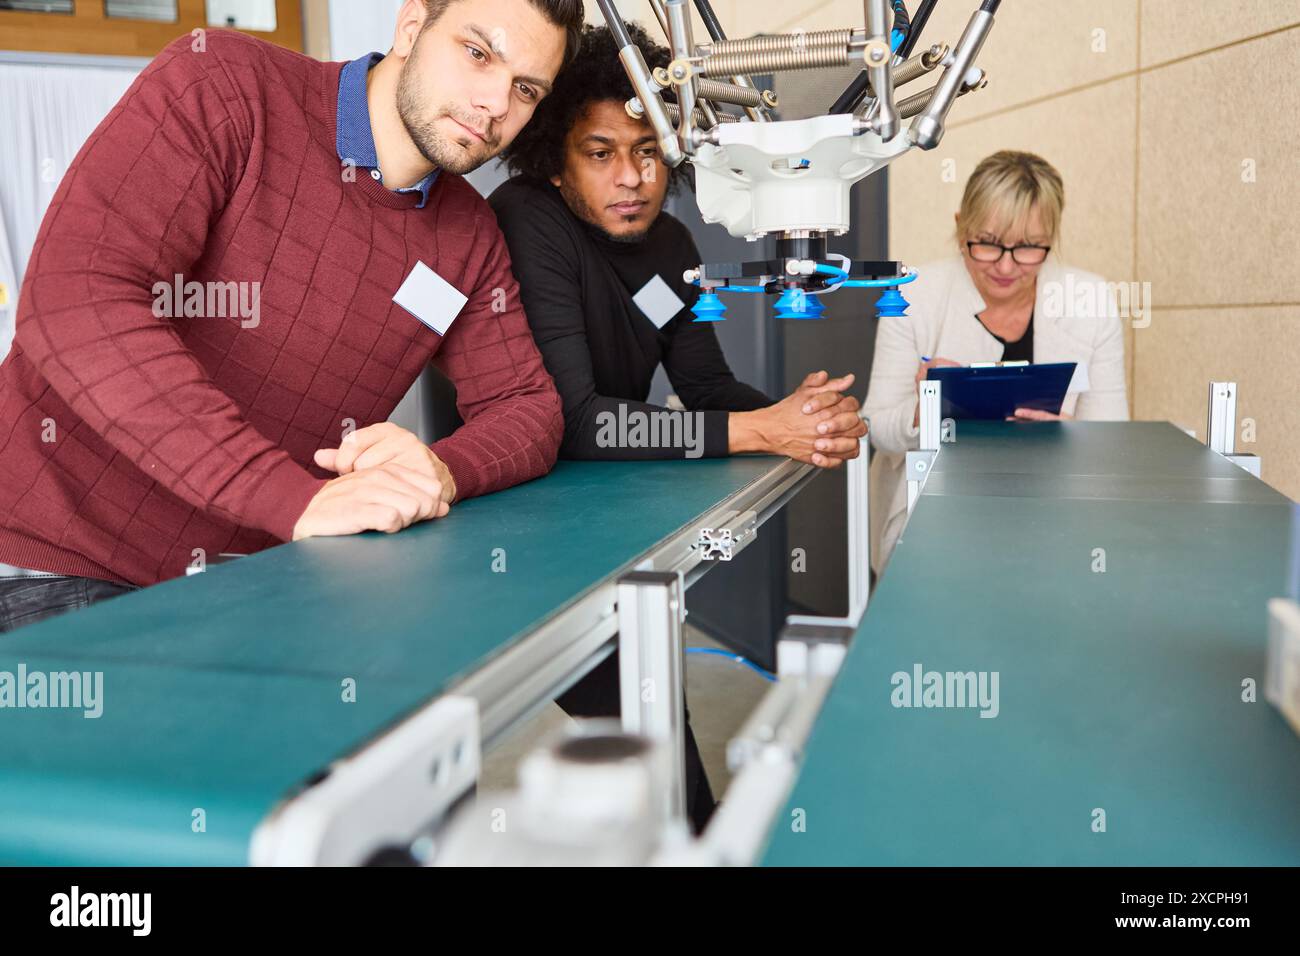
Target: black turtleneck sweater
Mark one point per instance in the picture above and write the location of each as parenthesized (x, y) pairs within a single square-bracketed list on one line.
[(602, 349)]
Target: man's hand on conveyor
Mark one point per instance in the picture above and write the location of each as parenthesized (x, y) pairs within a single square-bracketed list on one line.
[(387, 498), (388, 480), (386, 443), (816, 423), (1037, 415)]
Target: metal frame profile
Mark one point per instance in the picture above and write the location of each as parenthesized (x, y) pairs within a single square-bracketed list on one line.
[(1221, 431), (858, 482)]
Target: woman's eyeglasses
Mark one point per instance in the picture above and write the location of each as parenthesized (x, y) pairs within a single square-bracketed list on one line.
[(1024, 255)]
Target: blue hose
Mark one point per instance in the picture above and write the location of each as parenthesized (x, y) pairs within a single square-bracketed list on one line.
[(827, 269), (766, 675), (874, 283), (733, 288)]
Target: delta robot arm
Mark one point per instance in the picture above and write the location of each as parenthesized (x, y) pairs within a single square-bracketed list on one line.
[(758, 176)]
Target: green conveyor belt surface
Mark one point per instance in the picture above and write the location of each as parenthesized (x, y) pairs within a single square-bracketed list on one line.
[(1118, 691), (222, 692)]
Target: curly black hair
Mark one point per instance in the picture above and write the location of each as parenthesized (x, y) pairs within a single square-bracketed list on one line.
[(596, 74)]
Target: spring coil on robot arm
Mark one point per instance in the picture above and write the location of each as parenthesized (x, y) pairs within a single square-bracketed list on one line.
[(674, 114), (782, 58), (783, 41)]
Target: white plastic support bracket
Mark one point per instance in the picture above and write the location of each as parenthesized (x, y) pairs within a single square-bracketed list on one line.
[(386, 794), (919, 463)]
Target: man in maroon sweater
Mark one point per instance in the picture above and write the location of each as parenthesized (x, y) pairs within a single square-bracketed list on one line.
[(245, 268)]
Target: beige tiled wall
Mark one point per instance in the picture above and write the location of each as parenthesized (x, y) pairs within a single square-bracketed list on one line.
[(1038, 52), (1218, 189), (1255, 346), (1174, 125), (1179, 28), (639, 11), (1218, 218)]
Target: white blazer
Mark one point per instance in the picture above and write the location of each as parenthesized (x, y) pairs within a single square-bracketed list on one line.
[(1075, 320)]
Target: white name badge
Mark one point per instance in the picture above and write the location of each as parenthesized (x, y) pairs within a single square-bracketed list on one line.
[(430, 298), (658, 301)]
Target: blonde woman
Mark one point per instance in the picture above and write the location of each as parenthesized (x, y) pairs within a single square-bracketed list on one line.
[(1001, 298)]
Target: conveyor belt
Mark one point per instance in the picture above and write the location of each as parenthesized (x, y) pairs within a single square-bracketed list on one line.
[(223, 692), (1118, 691)]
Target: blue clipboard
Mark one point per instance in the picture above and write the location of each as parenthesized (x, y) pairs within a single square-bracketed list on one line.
[(995, 392)]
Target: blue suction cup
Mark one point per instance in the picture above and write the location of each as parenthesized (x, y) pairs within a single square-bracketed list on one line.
[(708, 307), (891, 302), (797, 304)]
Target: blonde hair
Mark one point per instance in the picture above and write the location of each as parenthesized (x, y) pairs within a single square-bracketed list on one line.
[(1003, 193)]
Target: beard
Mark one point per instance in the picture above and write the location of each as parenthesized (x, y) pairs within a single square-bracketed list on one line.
[(580, 208), (420, 120)]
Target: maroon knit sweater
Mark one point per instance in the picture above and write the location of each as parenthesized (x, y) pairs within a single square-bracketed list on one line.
[(128, 441)]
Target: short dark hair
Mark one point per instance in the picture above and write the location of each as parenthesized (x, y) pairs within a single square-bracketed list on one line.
[(562, 13), (597, 74)]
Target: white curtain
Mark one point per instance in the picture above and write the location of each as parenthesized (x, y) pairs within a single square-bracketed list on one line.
[(8, 292), (46, 113)]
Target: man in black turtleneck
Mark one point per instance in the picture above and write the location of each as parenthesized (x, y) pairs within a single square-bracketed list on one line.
[(600, 266)]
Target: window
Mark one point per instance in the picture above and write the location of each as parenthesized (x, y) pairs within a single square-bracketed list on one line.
[(140, 27), (163, 11), (38, 6), (242, 14)]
